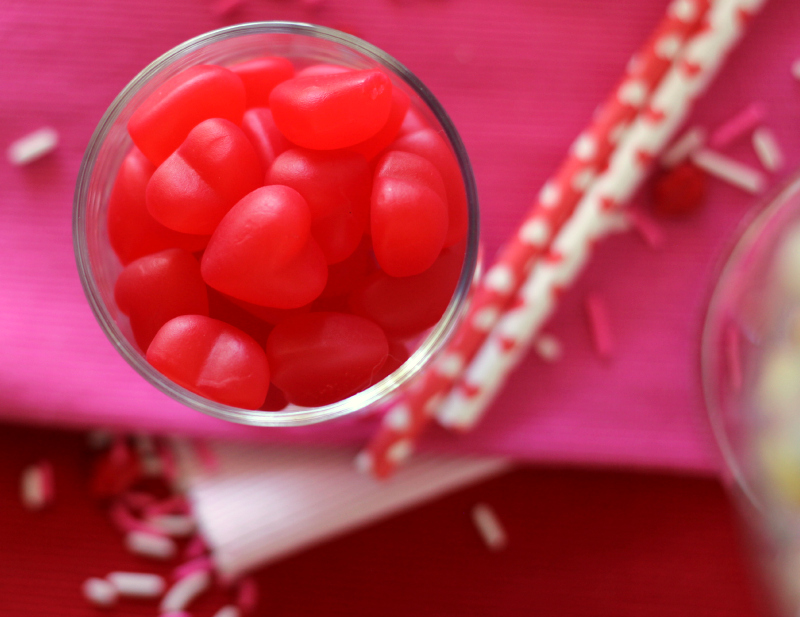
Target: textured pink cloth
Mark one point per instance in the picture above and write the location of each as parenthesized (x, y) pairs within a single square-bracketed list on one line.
[(520, 79)]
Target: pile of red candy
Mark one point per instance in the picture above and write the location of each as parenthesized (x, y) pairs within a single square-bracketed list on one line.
[(284, 234)]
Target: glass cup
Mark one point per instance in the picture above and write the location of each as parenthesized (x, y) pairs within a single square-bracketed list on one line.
[(751, 382), (304, 45)]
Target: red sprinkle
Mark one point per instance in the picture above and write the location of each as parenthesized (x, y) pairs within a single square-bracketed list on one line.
[(679, 191)]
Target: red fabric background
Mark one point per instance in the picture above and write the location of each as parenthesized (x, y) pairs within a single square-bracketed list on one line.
[(580, 543)]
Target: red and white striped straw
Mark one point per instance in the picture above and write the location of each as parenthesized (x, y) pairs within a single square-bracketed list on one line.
[(557, 200), (628, 167)]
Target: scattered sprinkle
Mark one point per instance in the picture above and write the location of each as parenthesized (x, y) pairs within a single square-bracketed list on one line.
[(729, 170), (768, 149), (137, 584), (599, 324), (679, 191), (99, 592), (37, 488), (686, 145), (184, 591), (548, 347), (741, 124), (489, 527), (150, 545), (647, 228), (32, 146)]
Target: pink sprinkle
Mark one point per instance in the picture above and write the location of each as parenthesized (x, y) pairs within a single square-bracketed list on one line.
[(742, 123), (125, 521), (220, 8), (597, 313), (195, 565), (206, 455), (247, 595), (647, 228), (168, 463), (195, 548), (176, 504), (733, 351)]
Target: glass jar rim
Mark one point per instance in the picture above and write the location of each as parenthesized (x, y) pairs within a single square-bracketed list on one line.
[(433, 342)]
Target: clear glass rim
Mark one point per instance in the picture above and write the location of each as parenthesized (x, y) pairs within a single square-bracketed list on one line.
[(748, 233), (295, 417)]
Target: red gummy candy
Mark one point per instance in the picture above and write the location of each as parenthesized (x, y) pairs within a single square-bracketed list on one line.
[(428, 144), (212, 359), (406, 306), (336, 186), (265, 137), (414, 121), (196, 186), (263, 253), (408, 214), (679, 191), (132, 231), (321, 358), (346, 275), (162, 122), (370, 148), (260, 76), (159, 287), (326, 112), (322, 69)]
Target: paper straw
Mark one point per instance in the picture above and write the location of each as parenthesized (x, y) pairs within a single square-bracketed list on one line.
[(510, 339), (555, 204)]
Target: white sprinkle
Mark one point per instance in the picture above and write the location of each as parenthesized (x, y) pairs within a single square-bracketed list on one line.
[(768, 149), (691, 141), (137, 584), (729, 170), (796, 69), (228, 611), (183, 592), (32, 488), (489, 527), (176, 525), (150, 545), (99, 592), (549, 348), (32, 146)]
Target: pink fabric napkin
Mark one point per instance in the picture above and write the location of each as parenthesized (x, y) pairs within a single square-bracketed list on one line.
[(520, 80)]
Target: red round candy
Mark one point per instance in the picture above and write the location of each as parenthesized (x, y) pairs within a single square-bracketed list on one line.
[(406, 306), (196, 186), (321, 358), (409, 226), (428, 144), (162, 122), (159, 287), (326, 112), (212, 359), (262, 251), (260, 76), (371, 147), (132, 231), (679, 191), (265, 137)]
